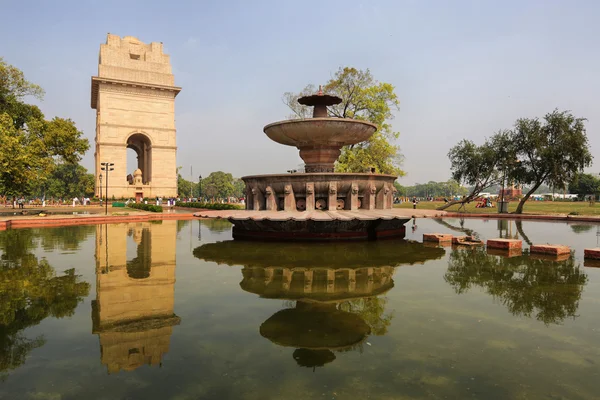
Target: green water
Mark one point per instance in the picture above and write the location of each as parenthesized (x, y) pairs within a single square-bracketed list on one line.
[(176, 310)]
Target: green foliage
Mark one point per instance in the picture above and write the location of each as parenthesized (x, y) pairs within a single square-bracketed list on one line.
[(30, 291), (480, 166), (434, 189), (547, 290), (31, 145), (552, 151), (365, 99), (146, 207), (584, 185), (67, 181), (210, 206), (218, 184)]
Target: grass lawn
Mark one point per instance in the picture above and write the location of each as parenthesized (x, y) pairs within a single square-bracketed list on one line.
[(531, 207)]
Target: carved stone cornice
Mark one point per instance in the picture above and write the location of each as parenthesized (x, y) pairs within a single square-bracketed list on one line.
[(122, 86)]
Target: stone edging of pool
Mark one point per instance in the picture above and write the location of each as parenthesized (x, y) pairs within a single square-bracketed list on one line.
[(34, 222), (538, 217)]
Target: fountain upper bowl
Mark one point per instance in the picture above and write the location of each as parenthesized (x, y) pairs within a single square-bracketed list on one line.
[(320, 131)]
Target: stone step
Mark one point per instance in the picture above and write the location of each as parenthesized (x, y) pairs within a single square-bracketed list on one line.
[(553, 249), (504, 244), (437, 237), (592, 254)]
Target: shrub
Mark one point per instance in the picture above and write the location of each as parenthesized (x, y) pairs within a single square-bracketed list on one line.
[(210, 206), (146, 207), (573, 213)]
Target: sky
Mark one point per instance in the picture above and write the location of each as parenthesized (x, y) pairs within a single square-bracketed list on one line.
[(461, 69)]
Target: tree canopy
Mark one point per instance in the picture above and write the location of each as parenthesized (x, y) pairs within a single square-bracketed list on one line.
[(31, 145), (366, 99), (480, 166), (584, 185), (551, 151)]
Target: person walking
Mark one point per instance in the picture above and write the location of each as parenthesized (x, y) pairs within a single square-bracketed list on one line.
[(414, 203)]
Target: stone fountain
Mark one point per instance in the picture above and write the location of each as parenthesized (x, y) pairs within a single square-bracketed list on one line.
[(318, 204)]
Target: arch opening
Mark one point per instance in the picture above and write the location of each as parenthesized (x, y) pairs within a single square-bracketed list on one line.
[(142, 147)]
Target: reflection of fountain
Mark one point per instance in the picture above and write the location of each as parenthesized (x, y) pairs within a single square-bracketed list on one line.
[(353, 205), (336, 305), (133, 311)]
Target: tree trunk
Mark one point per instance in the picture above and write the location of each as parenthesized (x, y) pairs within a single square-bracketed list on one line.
[(467, 199), (519, 209)]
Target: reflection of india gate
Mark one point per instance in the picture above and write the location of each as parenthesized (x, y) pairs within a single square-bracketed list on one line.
[(133, 311), (134, 98)]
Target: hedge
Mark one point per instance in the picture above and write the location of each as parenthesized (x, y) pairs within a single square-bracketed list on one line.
[(146, 207), (210, 206)]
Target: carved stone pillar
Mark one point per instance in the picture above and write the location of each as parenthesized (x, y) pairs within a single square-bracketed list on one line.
[(368, 202), (308, 281), (382, 197), (310, 196), (332, 197), (289, 201), (249, 198), (259, 199), (330, 281), (271, 199), (352, 198), (351, 280)]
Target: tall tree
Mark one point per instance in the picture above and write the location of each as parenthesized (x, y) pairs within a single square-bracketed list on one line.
[(551, 151), (480, 166), (218, 184), (585, 185), (31, 145), (366, 99)]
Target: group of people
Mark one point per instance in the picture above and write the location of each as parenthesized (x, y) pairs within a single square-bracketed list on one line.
[(486, 202)]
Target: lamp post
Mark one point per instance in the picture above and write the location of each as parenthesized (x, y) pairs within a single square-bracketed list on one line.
[(199, 188), (100, 178), (106, 166)]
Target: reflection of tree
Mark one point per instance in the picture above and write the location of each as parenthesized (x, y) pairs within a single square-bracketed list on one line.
[(548, 290), (64, 239), (462, 229), (581, 228), (30, 291), (519, 225), (372, 311), (217, 225)]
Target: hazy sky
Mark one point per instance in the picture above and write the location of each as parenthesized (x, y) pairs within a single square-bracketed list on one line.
[(462, 69)]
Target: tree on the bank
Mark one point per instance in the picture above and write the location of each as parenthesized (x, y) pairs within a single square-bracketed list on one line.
[(585, 185), (365, 99), (218, 185), (552, 151), (480, 167), (67, 181), (31, 146)]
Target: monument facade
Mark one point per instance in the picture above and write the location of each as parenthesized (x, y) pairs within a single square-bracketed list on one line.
[(134, 98)]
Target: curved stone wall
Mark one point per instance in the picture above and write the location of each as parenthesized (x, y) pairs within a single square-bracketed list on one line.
[(319, 191)]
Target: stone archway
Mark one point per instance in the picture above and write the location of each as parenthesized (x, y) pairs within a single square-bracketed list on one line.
[(140, 143)]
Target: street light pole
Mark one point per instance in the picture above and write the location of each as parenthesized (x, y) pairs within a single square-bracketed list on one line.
[(106, 166), (100, 177)]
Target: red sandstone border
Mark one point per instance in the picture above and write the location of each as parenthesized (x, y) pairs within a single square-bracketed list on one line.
[(89, 220)]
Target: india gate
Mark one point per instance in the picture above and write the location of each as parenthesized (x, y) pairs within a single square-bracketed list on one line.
[(134, 98)]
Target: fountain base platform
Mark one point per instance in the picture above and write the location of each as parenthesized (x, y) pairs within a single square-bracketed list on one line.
[(315, 225)]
